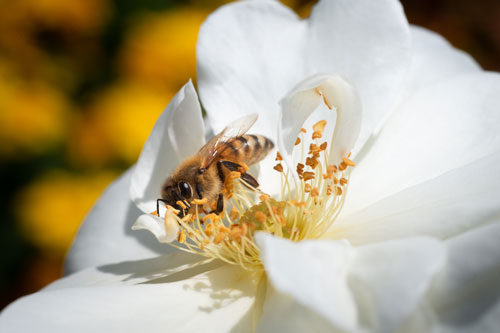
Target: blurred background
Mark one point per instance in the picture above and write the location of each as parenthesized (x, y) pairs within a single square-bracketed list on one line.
[(81, 85)]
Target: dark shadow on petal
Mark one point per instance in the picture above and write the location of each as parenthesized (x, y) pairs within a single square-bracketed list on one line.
[(224, 283), (182, 265)]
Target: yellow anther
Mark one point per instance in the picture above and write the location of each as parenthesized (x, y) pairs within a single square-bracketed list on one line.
[(204, 243), (260, 216), (199, 201), (338, 190), (319, 126), (303, 130), (343, 181), (348, 162), (312, 162), (278, 156), (219, 237), (209, 230), (236, 233), (233, 215), (297, 142), (223, 228), (212, 217), (278, 167), (182, 236), (264, 197), (300, 169), (314, 149), (297, 203), (314, 192), (155, 213), (308, 175), (181, 204), (244, 229), (323, 146)]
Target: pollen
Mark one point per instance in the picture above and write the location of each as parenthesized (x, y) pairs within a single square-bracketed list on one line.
[(308, 175), (199, 201), (181, 204), (233, 215), (348, 162), (264, 197), (305, 208), (182, 236), (260, 217)]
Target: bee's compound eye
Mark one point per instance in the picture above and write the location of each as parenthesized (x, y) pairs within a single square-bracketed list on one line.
[(185, 190)]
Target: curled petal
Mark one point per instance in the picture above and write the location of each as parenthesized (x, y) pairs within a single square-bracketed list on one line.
[(313, 274), (337, 95), (165, 230), (178, 133)]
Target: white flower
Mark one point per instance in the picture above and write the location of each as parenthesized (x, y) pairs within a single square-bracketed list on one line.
[(415, 247)]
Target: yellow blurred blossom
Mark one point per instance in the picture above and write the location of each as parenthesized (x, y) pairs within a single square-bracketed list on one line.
[(83, 16), (160, 47), (51, 209), (117, 124), (33, 115)]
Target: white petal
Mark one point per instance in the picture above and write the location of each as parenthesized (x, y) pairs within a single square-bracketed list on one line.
[(216, 301), (441, 207), (165, 230), (335, 93), (247, 55), (282, 313), (250, 54), (390, 279), (312, 273), (177, 134), (468, 288), (434, 58), (441, 128), (105, 235), (366, 42)]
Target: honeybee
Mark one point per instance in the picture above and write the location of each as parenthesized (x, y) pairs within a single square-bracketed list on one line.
[(203, 174)]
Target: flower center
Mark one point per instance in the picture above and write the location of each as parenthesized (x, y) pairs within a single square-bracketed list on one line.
[(306, 207)]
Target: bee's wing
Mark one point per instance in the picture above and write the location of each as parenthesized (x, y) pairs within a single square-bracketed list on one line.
[(216, 145)]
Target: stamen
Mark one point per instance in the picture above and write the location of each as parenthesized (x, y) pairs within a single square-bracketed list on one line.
[(302, 211), (278, 167)]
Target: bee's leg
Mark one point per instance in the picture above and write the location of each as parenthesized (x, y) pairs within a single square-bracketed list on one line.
[(249, 179), (158, 205), (220, 172), (220, 204), (199, 190)]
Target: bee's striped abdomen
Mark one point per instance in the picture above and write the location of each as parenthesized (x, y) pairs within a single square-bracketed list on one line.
[(248, 149)]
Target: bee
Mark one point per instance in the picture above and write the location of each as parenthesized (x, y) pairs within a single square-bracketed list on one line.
[(203, 175)]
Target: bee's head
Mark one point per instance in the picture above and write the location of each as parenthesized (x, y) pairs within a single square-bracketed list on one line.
[(178, 194)]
